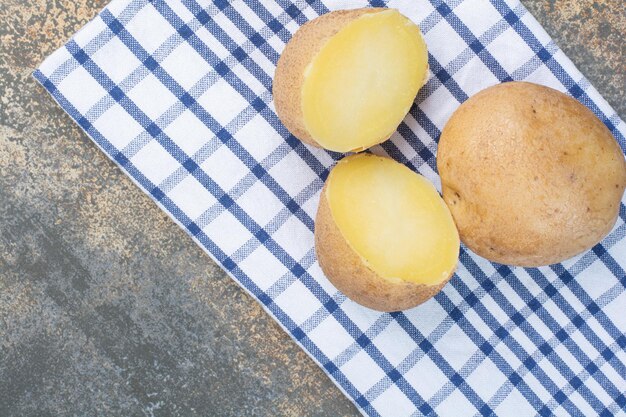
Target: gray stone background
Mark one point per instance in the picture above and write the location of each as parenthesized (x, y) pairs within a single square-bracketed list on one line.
[(102, 316)]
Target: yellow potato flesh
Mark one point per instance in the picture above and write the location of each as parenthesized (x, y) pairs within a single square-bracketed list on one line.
[(363, 81), (394, 219)]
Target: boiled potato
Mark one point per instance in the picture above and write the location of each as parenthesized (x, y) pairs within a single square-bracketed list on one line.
[(531, 176), (347, 79), (383, 235)]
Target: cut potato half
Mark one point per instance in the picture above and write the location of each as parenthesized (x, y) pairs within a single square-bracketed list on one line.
[(383, 235), (347, 79)]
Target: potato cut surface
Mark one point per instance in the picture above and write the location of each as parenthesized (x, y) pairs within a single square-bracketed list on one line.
[(394, 219), (363, 81)]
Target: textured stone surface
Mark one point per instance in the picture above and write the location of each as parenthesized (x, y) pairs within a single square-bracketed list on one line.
[(591, 33), (101, 315)]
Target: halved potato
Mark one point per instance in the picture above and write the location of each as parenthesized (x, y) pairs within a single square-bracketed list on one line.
[(383, 235), (531, 176), (347, 79)]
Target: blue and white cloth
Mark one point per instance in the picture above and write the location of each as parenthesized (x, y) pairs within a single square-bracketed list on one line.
[(178, 94)]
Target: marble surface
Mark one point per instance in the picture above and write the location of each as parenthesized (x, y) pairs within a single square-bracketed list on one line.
[(101, 316)]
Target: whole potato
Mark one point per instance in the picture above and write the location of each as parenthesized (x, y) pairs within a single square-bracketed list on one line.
[(531, 176)]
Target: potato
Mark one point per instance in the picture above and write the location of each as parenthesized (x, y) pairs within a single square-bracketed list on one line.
[(383, 235), (531, 176), (347, 79)]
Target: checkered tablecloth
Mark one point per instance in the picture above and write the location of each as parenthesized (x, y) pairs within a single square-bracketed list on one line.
[(178, 94)]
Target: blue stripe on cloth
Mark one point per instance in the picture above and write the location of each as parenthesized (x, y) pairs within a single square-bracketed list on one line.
[(516, 320), (190, 103)]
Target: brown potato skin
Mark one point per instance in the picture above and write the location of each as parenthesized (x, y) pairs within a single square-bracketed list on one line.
[(298, 53), (531, 176), (345, 269)]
